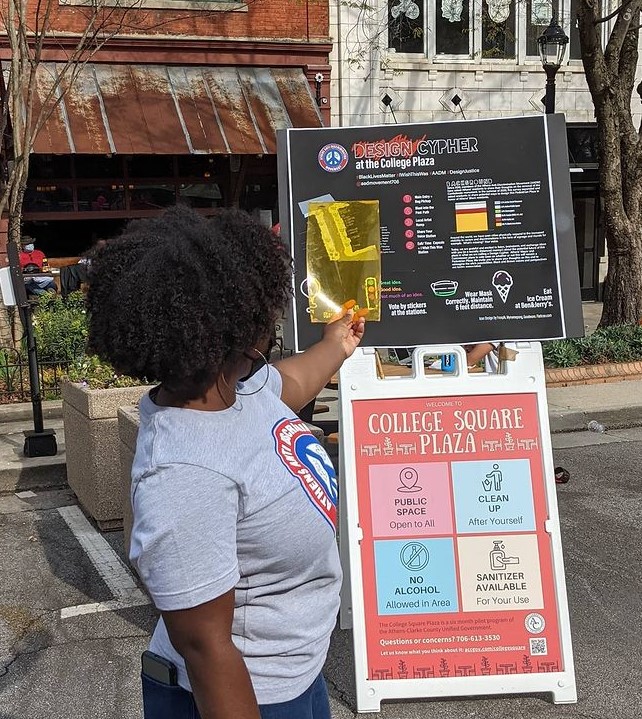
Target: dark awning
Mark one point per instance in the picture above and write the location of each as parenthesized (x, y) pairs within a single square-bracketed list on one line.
[(158, 109)]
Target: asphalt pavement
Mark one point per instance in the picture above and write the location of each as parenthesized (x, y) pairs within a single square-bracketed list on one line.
[(73, 624)]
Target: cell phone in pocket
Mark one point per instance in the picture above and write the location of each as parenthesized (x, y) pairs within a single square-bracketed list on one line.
[(159, 669)]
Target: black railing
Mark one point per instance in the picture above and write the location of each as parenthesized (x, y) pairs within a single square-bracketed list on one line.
[(14, 377)]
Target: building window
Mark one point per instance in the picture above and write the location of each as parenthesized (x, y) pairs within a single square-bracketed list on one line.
[(498, 29), (539, 13), (98, 166), (47, 167), (150, 165), (582, 144), (452, 27), (101, 198), (48, 198), (574, 33), (406, 26), (480, 29)]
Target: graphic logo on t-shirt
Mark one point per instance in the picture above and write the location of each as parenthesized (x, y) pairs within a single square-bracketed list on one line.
[(306, 459)]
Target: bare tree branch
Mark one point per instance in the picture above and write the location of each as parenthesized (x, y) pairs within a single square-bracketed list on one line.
[(26, 102), (591, 42), (628, 59), (615, 12), (31, 95), (620, 29)]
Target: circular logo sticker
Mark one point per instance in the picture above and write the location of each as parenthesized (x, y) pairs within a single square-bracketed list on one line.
[(333, 157), (535, 623)]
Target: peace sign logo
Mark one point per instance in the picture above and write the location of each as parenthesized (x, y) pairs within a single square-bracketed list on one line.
[(333, 157)]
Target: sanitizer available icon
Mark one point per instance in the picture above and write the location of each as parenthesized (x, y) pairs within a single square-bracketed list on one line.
[(498, 558)]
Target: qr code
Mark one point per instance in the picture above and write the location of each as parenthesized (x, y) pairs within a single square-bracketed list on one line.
[(539, 647)]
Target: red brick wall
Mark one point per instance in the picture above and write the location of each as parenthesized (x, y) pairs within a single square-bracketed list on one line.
[(4, 230), (299, 20)]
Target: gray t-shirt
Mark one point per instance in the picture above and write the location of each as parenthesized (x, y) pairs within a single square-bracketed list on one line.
[(243, 498)]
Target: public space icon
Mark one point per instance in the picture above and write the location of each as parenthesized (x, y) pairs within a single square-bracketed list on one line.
[(494, 479), (409, 479), (502, 282), (414, 556), (498, 558)]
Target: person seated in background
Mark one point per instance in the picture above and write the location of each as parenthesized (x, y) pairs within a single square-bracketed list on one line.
[(33, 261), (486, 351)]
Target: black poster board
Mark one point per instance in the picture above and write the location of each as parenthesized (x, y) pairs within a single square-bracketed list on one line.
[(477, 230)]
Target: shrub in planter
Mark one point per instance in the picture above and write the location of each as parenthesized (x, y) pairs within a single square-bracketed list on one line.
[(561, 353), (90, 371), (621, 343), (60, 327)]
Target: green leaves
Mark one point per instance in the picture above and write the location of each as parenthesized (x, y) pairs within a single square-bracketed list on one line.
[(61, 328), (92, 372), (620, 343)]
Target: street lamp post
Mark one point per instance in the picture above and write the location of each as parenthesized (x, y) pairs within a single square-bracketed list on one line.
[(552, 47)]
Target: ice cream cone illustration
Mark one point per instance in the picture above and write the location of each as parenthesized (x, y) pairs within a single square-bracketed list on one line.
[(502, 282)]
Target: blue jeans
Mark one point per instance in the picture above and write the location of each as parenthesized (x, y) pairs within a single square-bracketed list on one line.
[(161, 701), (33, 288)]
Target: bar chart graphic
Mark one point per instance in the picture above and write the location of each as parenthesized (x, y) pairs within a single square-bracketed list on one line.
[(471, 216)]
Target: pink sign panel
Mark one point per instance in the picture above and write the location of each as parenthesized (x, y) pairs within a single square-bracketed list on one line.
[(410, 499)]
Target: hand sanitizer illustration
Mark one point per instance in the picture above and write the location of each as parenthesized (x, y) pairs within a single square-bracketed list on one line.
[(498, 558)]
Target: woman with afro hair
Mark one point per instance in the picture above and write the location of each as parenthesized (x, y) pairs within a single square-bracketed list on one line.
[(234, 501)]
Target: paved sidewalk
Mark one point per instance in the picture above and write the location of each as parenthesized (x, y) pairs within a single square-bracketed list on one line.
[(613, 404), (17, 472)]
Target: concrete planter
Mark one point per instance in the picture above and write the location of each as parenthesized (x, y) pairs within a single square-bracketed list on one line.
[(128, 423), (92, 448)]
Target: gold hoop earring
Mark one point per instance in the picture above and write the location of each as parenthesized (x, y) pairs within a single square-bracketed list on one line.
[(267, 375)]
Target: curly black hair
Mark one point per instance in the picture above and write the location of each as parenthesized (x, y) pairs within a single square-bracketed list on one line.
[(176, 296)]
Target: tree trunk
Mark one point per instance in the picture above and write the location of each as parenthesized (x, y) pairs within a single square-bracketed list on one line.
[(13, 235), (623, 285), (6, 335)]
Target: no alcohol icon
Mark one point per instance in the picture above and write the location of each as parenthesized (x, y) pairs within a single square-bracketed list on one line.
[(414, 556)]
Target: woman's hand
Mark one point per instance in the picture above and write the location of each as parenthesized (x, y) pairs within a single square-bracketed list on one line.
[(345, 330), (305, 375)]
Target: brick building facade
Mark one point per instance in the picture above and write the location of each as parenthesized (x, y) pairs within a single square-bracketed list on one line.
[(444, 60), (182, 104)]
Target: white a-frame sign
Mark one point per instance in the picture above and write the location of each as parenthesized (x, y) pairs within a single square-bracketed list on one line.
[(453, 540)]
